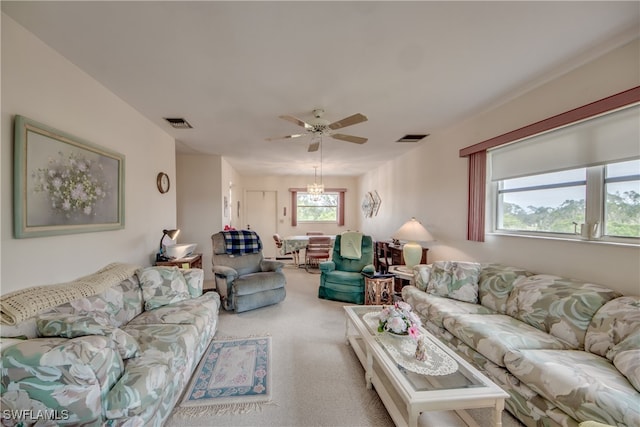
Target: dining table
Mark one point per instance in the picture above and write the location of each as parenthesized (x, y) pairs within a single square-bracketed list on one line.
[(293, 244)]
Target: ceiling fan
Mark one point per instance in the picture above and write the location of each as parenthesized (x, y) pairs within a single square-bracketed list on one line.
[(318, 127)]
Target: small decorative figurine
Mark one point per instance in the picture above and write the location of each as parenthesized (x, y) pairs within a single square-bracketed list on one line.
[(421, 350)]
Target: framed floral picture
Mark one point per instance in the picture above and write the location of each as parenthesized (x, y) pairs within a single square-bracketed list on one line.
[(64, 185)]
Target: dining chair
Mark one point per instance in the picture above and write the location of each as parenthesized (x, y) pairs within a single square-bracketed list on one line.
[(318, 249), (382, 259), (279, 243)]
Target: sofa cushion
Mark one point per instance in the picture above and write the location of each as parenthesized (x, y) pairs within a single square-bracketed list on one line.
[(495, 284), (201, 312), (162, 286), (175, 345), (433, 309), (558, 306), (456, 280), (584, 385), (120, 303), (614, 322), (72, 326), (140, 388), (494, 335)]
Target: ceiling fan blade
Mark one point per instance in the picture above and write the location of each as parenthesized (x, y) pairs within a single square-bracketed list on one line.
[(286, 137), (349, 138), (296, 121), (348, 121), (314, 146)]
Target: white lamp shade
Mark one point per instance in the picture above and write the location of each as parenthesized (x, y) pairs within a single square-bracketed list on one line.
[(412, 232)]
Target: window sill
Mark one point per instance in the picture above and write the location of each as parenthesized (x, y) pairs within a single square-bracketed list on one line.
[(566, 239)]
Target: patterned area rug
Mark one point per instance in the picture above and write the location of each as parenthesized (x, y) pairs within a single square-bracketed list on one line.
[(234, 376)]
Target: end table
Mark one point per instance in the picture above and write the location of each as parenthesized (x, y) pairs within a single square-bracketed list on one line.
[(192, 261), (378, 289)]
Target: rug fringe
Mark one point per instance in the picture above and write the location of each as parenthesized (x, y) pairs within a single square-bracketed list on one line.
[(220, 409), (233, 338)]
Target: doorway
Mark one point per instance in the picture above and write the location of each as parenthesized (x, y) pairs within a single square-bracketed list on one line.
[(261, 216)]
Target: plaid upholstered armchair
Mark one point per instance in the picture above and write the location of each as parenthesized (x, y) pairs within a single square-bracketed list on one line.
[(244, 279)]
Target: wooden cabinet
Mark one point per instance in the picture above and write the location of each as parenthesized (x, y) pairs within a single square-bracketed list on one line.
[(193, 261), (398, 259)]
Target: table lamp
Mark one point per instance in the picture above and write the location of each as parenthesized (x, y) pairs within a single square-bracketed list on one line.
[(412, 232), (172, 235)]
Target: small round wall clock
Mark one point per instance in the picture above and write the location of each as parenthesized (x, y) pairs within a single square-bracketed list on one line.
[(162, 181)]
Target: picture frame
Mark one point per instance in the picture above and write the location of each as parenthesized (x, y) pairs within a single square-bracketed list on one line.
[(63, 184)]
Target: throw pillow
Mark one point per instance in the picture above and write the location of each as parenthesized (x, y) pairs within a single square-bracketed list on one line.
[(422, 274), (455, 280), (79, 325), (162, 286), (195, 279)]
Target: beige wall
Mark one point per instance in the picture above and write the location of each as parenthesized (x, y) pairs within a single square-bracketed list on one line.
[(42, 85), (200, 191), (430, 182)]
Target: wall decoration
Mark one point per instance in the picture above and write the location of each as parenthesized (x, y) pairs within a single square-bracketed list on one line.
[(226, 206), (376, 202), (64, 185), (367, 205)]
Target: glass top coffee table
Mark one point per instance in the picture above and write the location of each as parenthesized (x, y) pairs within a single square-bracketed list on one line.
[(408, 387)]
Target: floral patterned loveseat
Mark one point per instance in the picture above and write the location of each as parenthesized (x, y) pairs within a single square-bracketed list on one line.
[(566, 351), (119, 357)]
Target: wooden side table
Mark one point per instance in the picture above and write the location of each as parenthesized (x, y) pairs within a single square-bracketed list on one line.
[(378, 290), (403, 277), (193, 261)]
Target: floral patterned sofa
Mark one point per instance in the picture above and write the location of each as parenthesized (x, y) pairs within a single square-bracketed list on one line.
[(120, 357), (566, 351)]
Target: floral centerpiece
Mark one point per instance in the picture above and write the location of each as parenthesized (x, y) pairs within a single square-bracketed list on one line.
[(399, 319)]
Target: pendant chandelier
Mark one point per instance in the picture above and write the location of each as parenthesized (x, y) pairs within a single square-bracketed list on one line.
[(316, 188)]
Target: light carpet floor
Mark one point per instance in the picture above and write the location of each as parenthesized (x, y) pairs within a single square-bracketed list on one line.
[(317, 378)]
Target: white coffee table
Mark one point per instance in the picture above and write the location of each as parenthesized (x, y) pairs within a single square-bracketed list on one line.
[(407, 387)]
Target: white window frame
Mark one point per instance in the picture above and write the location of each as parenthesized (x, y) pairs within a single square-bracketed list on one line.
[(594, 210), (337, 208)]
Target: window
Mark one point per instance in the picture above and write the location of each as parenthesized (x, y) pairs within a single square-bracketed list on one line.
[(552, 202), (610, 134), (321, 208), (328, 207), (560, 202), (622, 202), (580, 181)]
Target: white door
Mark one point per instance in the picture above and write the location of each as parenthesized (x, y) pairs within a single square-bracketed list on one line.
[(261, 217)]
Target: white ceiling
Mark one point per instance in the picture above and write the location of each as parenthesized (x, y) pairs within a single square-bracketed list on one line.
[(231, 68)]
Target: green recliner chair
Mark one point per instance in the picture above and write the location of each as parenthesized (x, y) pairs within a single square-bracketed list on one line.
[(341, 278)]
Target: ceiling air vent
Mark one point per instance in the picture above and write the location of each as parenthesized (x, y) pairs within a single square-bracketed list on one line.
[(178, 123), (412, 138)]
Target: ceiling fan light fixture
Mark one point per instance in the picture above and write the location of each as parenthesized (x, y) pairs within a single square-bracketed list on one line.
[(319, 126)]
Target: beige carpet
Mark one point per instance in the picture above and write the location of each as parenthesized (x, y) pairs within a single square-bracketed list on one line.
[(317, 379)]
